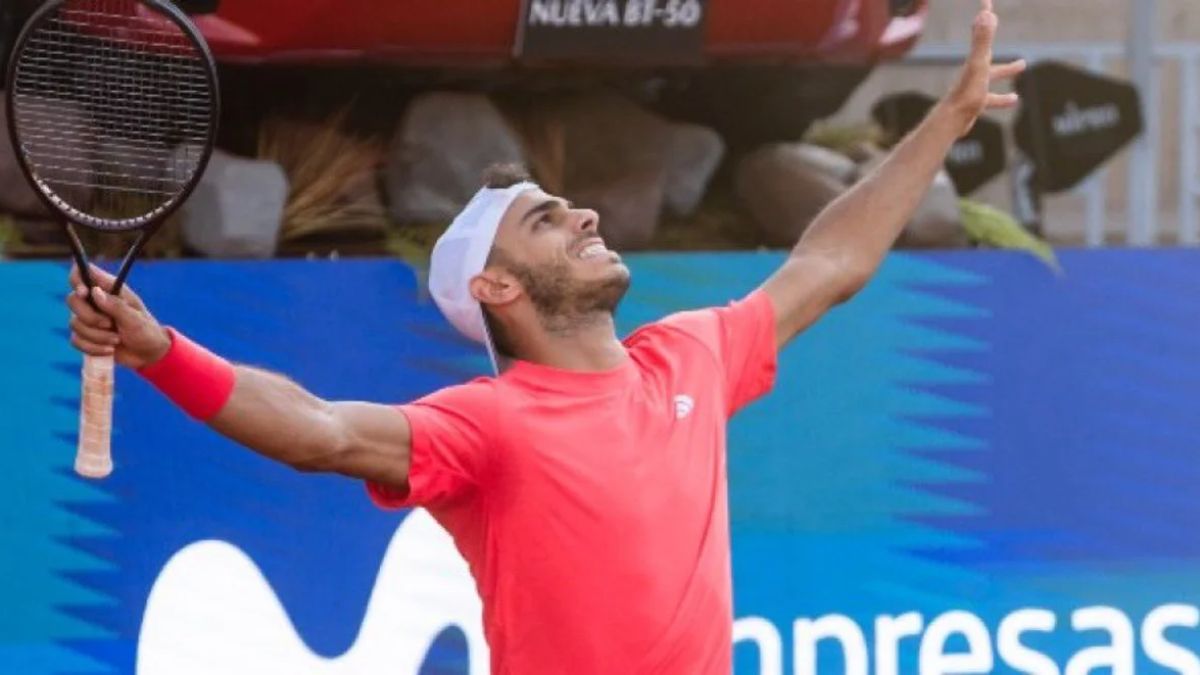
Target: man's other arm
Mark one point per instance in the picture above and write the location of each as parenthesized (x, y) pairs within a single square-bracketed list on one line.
[(847, 242)]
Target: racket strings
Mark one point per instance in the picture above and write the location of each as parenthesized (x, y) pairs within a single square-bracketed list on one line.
[(112, 103)]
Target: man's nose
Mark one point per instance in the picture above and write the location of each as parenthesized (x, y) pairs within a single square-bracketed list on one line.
[(586, 220)]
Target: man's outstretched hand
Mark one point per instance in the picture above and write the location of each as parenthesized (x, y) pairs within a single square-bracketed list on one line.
[(123, 328), (973, 95)]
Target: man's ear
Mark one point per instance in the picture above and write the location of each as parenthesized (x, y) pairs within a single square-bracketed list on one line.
[(494, 286)]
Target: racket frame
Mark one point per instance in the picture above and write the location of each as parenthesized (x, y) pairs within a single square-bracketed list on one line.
[(146, 225), (94, 456)]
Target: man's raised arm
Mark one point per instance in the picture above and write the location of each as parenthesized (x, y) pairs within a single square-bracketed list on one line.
[(265, 412), (847, 242)]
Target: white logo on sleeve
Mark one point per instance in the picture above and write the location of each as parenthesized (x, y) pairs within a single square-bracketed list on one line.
[(683, 406)]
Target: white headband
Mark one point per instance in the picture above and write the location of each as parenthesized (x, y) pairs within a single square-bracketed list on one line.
[(461, 254)]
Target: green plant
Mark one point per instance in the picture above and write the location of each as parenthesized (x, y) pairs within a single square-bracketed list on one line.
[(413, 243), (9, 236), (989, 226), (846, 139), (332, 176)]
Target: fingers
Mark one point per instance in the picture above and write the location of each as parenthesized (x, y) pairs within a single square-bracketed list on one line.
[(91, 348), (1002, 101), (98, 277), (92, 334), (80, 307), (131, 298), (983, 35), (984, 29), (980, 62), (101, 278), (1006, 71), (106, 281), (117, 307)]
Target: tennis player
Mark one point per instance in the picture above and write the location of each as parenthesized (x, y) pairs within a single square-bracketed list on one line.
[(585, 484)]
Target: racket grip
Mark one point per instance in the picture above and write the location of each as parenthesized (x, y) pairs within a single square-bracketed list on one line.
[(94, 456)]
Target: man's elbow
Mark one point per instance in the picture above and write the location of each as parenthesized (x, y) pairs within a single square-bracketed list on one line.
[(326, 451), (851, 279), (842, 276), (320, 460)]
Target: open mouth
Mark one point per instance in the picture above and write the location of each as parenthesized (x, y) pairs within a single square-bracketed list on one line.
[(593, 248)]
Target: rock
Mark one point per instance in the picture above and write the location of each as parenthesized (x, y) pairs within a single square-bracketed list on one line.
[(122, 157), (828, 162), (693, 156), (624, 161), (628, 206), (785, 185), (615, 162), (16, 195), (440, 150), (237, 208)]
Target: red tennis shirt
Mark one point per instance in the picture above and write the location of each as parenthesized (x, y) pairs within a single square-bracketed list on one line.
[(592, 506)]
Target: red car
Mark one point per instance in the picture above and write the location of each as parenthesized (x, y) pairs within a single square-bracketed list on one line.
[(466, 32), (797, 59)]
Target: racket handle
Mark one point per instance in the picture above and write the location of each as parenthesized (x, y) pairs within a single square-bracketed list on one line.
[(94, 457)]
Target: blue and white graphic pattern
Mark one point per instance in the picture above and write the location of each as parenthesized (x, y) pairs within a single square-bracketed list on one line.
[(976, 459)]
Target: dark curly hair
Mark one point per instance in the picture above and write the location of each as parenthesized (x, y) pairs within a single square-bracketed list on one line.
[(500, 176)]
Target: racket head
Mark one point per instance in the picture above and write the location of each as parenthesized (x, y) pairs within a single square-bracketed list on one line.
[(112, 109)]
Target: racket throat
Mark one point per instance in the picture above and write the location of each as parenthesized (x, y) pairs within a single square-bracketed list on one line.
[(82, 262)]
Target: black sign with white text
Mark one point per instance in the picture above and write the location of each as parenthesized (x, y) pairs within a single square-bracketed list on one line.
[(1073, 121), (662, 31)]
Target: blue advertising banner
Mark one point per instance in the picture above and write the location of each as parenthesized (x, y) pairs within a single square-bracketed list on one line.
[(975, 466)]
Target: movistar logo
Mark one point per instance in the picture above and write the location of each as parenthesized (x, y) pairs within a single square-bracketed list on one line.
[(212, 611)]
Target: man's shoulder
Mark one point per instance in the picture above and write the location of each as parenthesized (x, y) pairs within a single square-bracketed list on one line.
[(478, 392), (699, 328)]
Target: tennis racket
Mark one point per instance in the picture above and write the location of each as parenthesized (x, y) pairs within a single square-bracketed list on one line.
[(112, 109)]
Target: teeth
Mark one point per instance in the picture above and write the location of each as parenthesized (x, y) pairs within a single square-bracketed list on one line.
[(593, 250)]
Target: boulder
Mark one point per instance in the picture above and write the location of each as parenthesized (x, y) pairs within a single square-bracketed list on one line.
[(626, 162), (693, 156), (615, 161), (237, 208), (122, 157), (785, 185), (628, 206), (439, 152)]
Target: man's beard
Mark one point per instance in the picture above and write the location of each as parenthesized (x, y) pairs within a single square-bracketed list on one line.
[(563, 302)]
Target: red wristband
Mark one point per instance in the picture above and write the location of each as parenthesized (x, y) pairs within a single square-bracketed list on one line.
[(195, 379)]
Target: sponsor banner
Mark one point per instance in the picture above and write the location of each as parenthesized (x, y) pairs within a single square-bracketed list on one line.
[(977, 465), (659, 31), (1073, 121)]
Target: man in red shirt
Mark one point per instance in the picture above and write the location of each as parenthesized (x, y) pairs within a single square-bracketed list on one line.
[(585, 484)]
